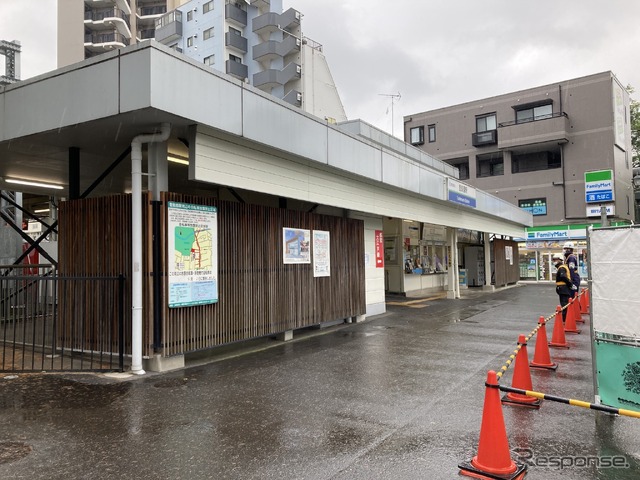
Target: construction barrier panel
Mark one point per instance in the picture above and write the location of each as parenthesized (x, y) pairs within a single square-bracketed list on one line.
[(613, 301)]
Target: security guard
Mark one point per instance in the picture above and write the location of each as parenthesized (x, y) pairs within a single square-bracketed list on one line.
[(571, 261), (563, 283)]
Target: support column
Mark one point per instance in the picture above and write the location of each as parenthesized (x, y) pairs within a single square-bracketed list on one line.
[(158, 169), (487, 262), (453, 289)]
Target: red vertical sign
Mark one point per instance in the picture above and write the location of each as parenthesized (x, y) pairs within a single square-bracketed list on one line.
[(379, 240)]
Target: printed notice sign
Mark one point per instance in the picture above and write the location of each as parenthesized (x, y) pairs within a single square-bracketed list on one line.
[(321, 254), (192, 249)]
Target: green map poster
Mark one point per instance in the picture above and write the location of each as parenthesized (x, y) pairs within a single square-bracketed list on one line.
[(618, 375), (192, 254)]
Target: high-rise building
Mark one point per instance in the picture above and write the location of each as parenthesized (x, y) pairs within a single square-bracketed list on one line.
[(560, 151), (11, 53), (259, 43), (90, 27), (252, 40)]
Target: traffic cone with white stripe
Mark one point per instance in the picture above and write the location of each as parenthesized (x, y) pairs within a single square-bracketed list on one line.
[(493, 460)]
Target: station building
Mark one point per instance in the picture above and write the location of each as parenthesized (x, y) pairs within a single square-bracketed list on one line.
[(304, 222)]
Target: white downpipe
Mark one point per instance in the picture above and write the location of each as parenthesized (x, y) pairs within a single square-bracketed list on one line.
[(136, 242)]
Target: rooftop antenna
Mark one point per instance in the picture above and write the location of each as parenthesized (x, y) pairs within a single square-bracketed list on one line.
[(394, 97)]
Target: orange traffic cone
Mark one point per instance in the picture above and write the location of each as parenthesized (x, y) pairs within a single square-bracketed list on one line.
[(577, 307), (570, 323), (587, 300), (558, 339), (494, 458), (521, 379), (541, 357)]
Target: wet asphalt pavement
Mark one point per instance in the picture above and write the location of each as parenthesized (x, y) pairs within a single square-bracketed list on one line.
[(399, 396)]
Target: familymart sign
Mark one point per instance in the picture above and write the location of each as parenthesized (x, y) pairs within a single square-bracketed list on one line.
[(598, 186)]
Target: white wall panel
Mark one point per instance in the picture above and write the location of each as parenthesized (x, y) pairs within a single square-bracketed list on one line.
[(76, 96), (432, 184), (284, 128), (400, 172), (354, 155), (191, 91)]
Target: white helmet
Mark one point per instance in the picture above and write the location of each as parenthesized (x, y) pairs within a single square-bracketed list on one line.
[(568, 245), (557, 256)]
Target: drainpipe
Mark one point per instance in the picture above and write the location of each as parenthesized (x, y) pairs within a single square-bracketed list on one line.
[(136, 242)]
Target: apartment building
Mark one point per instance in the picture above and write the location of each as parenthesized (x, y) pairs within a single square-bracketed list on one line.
[(90, 27), (259, 43), (560, 151)]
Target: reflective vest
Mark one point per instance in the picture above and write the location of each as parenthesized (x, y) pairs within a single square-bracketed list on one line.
[(567, 275)]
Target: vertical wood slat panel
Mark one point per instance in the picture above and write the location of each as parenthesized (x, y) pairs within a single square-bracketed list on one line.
[(258, 294)]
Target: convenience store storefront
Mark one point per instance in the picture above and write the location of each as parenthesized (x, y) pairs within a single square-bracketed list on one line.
[(536, 250)]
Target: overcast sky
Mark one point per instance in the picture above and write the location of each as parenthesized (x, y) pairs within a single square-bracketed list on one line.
[(434, 53)]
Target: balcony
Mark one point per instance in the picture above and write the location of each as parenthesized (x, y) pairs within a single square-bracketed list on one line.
[(149, 15), (273, 78), (169, 27), (108, 18), (261, 4), (99, 42), (480, 139), (550, 129), (235, 42), (267, 51), (272, 22), (236, 15), (236, 69), (294, 97)]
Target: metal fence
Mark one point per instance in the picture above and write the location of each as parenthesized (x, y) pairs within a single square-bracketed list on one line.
[(54, 323)]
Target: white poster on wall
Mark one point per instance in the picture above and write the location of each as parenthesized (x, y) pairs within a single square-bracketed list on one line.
[(321, 254), (619, 116)]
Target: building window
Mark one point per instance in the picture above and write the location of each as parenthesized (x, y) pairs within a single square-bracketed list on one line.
[(416, 135), (490, 165), (189, 15), (207, 7), (190, 41), (235, 31), (233, 58), (485, 123), (535, 206), (432, 133), (210, 60), (530, 162), (462, 164), (207, 34), (533, 113)]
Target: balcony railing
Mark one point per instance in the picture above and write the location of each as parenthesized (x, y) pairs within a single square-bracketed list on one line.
[(235, 14), (549, 128), (101, 14), (480, 139), (236, 69), (98, 38), (150, 11), (237, 42)]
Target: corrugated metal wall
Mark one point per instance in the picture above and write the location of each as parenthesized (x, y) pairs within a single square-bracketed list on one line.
[(506, 271), (259, 295)]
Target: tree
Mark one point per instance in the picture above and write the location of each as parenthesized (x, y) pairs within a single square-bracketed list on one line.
[(634, 108)]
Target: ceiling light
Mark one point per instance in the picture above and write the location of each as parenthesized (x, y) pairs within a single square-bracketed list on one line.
[(180, 160), (33, 184), (42, 210)]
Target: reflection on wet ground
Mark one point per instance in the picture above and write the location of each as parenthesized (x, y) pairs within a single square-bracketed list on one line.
[(397, 397)]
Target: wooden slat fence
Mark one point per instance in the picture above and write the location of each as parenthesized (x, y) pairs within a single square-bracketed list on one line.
[(258, 294)]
